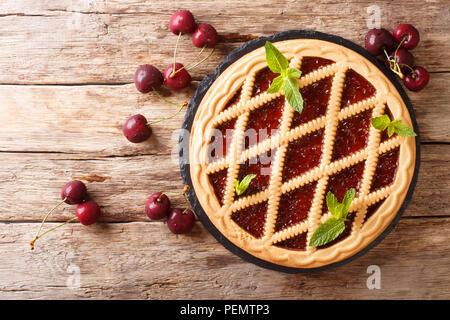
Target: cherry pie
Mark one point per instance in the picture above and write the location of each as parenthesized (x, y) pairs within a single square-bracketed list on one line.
[(240, 129)]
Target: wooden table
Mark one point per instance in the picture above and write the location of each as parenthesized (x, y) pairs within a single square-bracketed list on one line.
[(66, 88)]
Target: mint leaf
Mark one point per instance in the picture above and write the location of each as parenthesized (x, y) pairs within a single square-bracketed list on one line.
[(292, 94), (396, 126), (276, 85), (347, 201), (390, 130), (332, 203), (293, 73), (326, 232), (275, 60), (334, 226), (287, 80), (244, 184), (381, 123), (402, 129)]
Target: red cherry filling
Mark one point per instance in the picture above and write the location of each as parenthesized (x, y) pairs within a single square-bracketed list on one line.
[(263, 80), (344, 180), (310, 64), (234, 99), (221, 140), (264, 121), (294, 206), (252, 219), (303, 154), (315, 101), (218, 181), (386, 169), (372, 209), (352, 135), (297, 242), (356, 89), (260, 166)]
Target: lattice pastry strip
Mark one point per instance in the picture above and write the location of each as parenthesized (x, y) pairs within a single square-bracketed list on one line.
[(341, 111)]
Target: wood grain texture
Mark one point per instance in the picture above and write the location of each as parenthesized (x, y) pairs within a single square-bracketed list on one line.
[(144, 262), (88, 120), (66, 88), (103, 41), (30, 184)]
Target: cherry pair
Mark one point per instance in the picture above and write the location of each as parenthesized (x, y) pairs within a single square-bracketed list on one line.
[(87, 212), (398, 59), (179, 221), (176, 76)]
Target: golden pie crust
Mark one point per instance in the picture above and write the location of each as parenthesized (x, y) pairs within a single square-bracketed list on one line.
[(210, 113)]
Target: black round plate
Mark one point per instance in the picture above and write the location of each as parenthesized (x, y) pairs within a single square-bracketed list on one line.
[(203, 88)]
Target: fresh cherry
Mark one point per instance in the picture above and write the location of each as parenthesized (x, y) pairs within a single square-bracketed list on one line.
[(179, 80), (147, 78), (73, 192), (416, 79), (182, 21), (377, 40), (157, 206), (136, 129), (205, 35), (88, 212), (403, 58), (407, 36), (181, 221)]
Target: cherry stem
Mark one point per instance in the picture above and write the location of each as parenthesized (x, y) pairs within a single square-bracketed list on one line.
[(181, 106), (48, 213), (198, 56), (410, 68), (201, 61), (393, 65), (168, 101), (186, 188), (174, 72), (175, 55), (51, 229), (159, 198)]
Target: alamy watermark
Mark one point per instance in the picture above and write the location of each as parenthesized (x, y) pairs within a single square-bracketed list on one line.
[(374, 19), (374, 280)]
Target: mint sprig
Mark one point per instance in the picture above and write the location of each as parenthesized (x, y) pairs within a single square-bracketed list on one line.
[(244, 184), (286, 82), (334, 226), (396, 126)]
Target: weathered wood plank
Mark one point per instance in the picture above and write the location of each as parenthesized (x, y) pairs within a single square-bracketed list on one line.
[(84, 119), (53, 133), (146, 261), (103, 41), (30, 184), (87, 120)]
